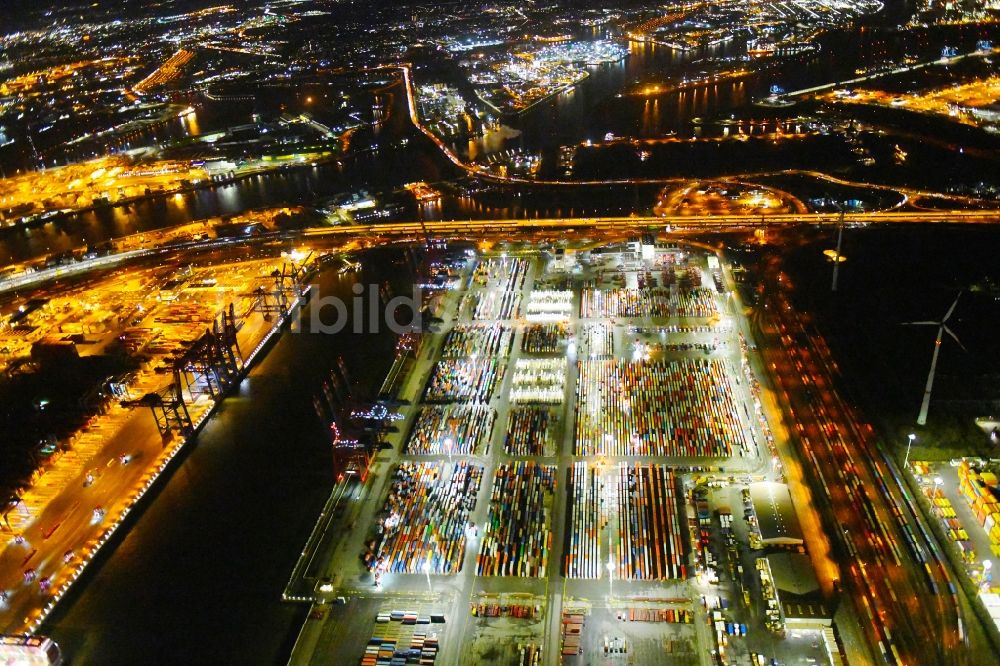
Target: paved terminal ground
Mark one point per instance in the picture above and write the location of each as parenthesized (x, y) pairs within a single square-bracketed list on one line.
[(537, 496), (87, 486)]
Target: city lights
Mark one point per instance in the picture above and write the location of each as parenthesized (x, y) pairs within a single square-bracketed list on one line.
[(424, 318)]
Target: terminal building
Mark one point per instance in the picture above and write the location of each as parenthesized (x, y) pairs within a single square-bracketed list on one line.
[(774, 517), (795, 590), (788, 582)]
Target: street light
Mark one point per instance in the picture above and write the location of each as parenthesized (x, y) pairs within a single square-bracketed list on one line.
[(427, 572), (909, 443), (611, 570)]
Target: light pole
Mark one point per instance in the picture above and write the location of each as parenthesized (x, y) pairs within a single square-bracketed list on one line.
[(611, 571), (909, 443), (427, 572)]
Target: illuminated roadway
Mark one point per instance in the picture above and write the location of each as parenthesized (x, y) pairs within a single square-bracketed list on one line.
[(640, 224), (891, 72), (518, 228)]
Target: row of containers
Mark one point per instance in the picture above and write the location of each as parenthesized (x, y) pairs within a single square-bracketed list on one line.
[(544, 338), (571, 633), (650, 546), (402, 637), (516, 611), (508, 272), (453, 429), (493, 305), (659, 408), (464, 380), (529, 431), (517, 538), (529, 654), (944, 510), (981, 490), (471, 340), (699, 302), (423, 524), (669, 615), (549, 305), (635, 534)]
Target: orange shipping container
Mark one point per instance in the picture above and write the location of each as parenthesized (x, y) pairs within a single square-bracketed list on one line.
[(981, 516)]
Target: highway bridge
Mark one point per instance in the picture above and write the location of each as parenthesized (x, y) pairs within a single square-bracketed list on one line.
[(514, 228)]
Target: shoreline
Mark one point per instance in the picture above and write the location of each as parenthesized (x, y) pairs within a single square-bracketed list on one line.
[(586, 74), (63, 214), (155, 472)]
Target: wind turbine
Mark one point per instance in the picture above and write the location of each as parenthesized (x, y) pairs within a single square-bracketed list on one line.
[(942, 329)]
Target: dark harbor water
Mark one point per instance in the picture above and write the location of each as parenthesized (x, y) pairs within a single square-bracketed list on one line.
[(589, 111), (294, 186), (197, 579), (593, 108)]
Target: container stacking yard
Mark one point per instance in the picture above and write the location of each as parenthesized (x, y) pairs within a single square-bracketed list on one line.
[(546, 436)]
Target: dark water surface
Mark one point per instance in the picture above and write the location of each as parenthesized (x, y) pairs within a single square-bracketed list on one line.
[(197, 578), (589, 111)]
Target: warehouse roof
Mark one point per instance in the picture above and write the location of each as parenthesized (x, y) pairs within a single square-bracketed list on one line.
[(798, 589), (776, 519)]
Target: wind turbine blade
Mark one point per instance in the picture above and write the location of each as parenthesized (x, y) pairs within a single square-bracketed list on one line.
[(954, 337), (952, 308), (919, 323)]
